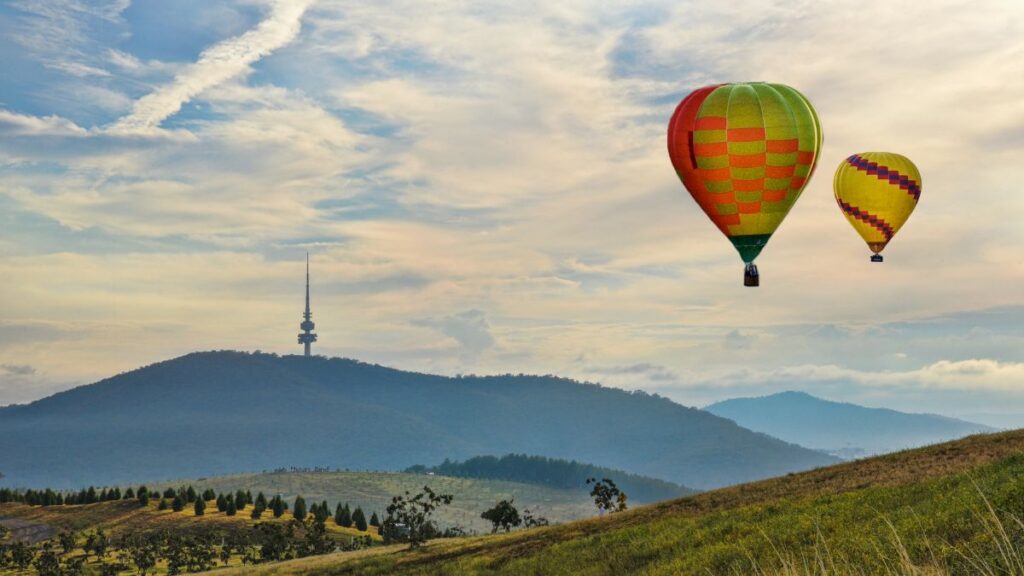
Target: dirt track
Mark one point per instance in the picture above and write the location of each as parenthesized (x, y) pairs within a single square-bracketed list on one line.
[(26, 530)]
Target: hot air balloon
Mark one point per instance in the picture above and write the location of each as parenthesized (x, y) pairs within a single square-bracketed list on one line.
[(745, 153), (877, 191)]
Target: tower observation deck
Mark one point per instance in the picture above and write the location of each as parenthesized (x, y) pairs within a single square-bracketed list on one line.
[(307, 337)]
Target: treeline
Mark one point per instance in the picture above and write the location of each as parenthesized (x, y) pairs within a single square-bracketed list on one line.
[(177, 499), (556, 473)]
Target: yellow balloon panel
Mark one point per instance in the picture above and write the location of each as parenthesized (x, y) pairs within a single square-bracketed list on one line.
[(877, 191)]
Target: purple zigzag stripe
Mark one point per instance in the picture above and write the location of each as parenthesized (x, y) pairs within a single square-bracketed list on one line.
[(881, 225), (884, 173)]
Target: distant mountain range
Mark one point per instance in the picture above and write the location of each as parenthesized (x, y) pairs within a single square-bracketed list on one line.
[(214, 413), (839, 428)]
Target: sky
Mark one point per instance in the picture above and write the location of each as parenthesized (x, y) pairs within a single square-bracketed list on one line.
[(484, 188)]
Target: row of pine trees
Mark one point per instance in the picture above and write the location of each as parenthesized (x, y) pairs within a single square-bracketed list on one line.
[(176, 500)]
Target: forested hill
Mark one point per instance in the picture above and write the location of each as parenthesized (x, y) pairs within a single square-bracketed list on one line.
[(214, 413), (555, 473)]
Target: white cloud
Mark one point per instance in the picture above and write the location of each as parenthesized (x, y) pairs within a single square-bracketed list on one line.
[(216, 65), (14, 124)]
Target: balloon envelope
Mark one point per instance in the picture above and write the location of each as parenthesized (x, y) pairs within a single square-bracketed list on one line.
[(745, 153), (877, 191)]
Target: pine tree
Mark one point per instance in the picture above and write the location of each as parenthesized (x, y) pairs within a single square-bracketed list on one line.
[(346, 517), (300, 509), (162, 505), (261, 502), (241, 499), (129, 493), (232, 509), (277, 505), (359, 519), (337, 514), (222, 503), (374, 520), (200, 506), (178, 504), (190, 495), (143, 496)]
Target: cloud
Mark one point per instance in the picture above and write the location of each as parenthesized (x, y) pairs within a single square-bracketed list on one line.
[(14, 124), (468, 328), (18, 369), (652, 372), (216, 65)]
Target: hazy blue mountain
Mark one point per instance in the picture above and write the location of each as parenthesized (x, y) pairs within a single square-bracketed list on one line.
[(555, 473), (839, 428), (224, 412)]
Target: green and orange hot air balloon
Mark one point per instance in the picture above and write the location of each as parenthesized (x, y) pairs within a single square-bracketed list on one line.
[(877, 191), (745, 153)]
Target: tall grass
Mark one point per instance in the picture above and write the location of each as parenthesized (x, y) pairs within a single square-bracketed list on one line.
[(998, 551)]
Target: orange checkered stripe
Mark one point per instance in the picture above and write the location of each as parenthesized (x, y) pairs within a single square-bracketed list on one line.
[(748, 194)]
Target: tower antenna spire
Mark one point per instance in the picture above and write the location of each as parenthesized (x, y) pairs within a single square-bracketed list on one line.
[(307, 337)]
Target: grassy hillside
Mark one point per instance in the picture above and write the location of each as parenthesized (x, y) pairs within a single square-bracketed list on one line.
[(373, 491), (950, 508), (839, 427), (194, 415)]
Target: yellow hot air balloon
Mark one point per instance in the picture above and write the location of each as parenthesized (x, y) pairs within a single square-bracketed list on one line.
[(877, 191)]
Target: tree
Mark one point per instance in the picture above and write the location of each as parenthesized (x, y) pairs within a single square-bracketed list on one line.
[(143, 496), (162, 505), (409, 517), (178, 504), (129, 493), (209, 494), (531, 520), (96, 543), (190, 495), (345, 518), (47, 563), (256, 513), (222, 503), (241, 499), (67, 541), (374, 520), (199, 506), (170, 493), (607, 496), (21, 555), (231, 509), (300, 509), (261, 501), (277, 506), (359, 519), (504, 515)]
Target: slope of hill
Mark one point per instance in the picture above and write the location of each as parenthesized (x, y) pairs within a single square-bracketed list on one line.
[(373, 491), (840, 428), (953, 508), (564, 474), (224, 412)]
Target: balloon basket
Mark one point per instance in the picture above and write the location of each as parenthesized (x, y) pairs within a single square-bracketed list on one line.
[(750, 276), (876, 257)]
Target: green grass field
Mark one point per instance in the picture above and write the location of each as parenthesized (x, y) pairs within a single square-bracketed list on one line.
[(949, 509)]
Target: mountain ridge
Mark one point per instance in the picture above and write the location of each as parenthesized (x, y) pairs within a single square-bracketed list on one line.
[(841, 427), (212, 413)]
